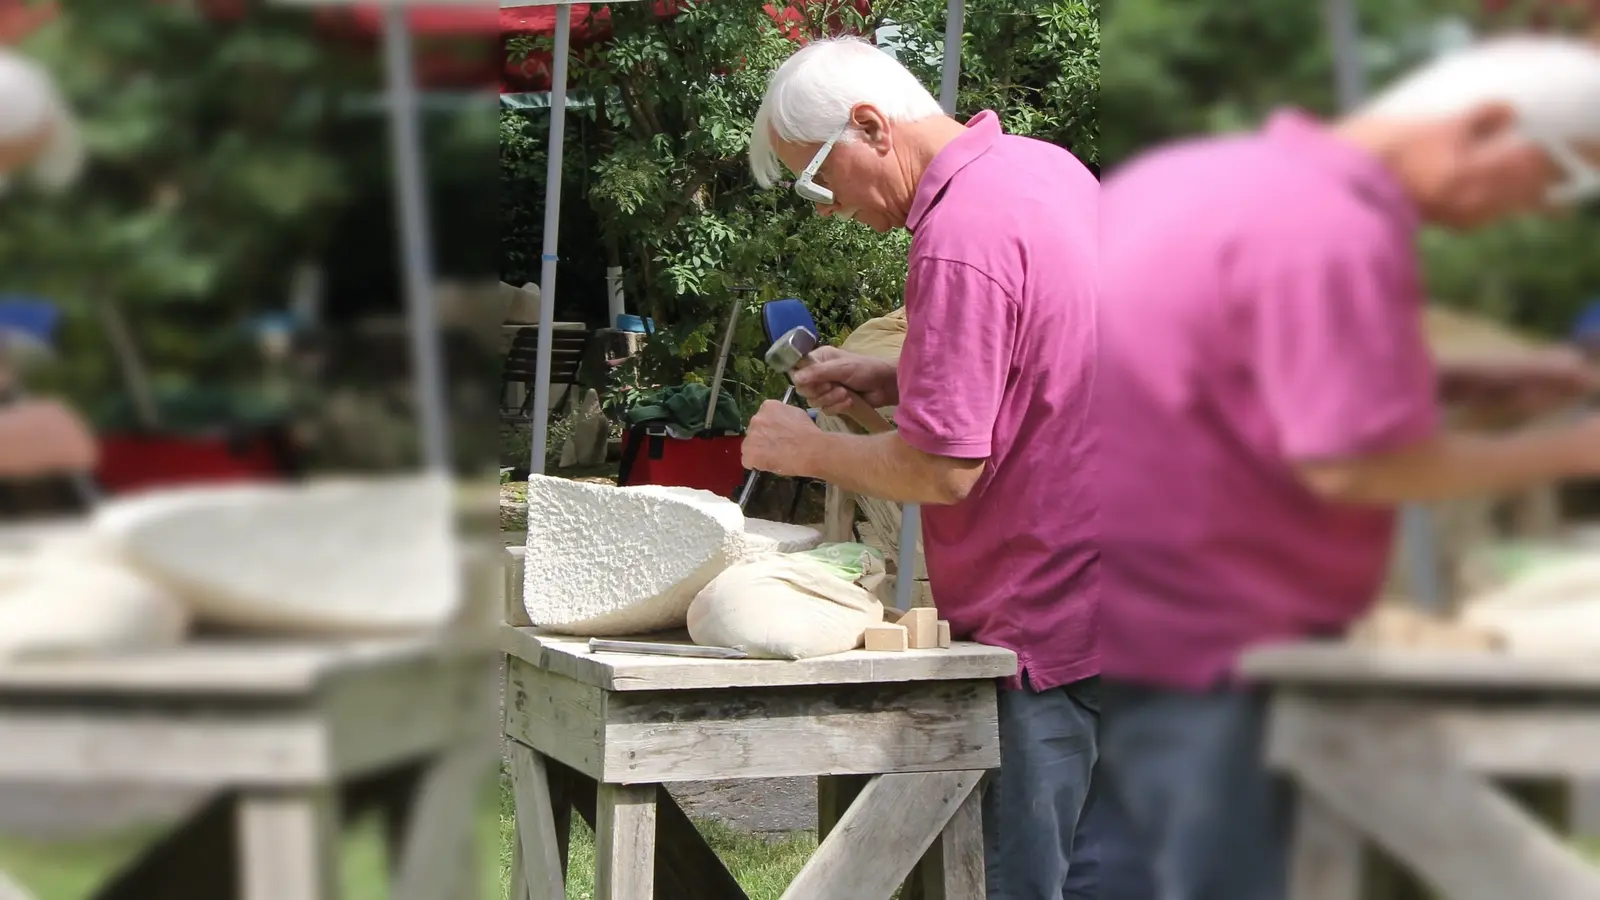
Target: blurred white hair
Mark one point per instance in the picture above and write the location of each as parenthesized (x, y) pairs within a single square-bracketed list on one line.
[(1553, 84), (29, 101), (811, 95)]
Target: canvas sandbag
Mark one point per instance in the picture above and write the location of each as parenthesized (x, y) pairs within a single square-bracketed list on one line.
[(782, 606)]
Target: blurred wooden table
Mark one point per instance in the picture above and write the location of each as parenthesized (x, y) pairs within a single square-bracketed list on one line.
[(272, 743), (1410, 752), (899, 742)]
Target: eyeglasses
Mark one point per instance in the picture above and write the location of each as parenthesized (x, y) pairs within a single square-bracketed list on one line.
[(808, 189), (1582, 182)]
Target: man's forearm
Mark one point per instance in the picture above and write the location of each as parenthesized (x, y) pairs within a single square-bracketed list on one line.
[(886, 467), (1461, 465)]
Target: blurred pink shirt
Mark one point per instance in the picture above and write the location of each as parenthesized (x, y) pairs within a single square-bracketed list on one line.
[(1260, 306), (998, 364)]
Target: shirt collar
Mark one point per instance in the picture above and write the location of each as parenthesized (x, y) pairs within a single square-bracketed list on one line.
[(982, 131), (1297, 131)]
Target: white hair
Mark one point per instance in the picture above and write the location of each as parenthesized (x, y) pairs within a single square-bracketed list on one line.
[(810, 96), (1553, 84), (30, 102)]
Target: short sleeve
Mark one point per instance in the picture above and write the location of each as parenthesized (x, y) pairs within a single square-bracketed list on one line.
[(1341, 359), (956, 361)]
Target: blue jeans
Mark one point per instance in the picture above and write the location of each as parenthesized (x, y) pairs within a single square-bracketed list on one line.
[(1034, 845), (1191, 810)]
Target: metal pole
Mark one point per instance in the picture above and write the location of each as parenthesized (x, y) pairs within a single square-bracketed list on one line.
[(1350, 74), (416, 243), (911, 513), (950, 77), (552, 221)]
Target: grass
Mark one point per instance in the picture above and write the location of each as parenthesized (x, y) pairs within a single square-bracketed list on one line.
[(73, 871)]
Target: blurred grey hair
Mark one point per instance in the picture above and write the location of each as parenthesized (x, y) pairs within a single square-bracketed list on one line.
[(810, 96), (29, 101), (1553, 83)]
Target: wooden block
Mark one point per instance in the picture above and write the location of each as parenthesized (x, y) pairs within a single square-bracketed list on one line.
[(922, 625), (886, 638), (944, 635)]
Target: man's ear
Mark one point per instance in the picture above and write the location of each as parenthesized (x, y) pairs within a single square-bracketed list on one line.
[(1489, 120), (873, 125)]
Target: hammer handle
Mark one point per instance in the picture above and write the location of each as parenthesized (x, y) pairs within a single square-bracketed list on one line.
[(865, 415)]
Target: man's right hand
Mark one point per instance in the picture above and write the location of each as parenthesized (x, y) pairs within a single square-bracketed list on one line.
[(829, 374), (44, 437)]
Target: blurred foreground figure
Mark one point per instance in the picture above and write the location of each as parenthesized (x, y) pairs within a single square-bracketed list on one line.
[(1267, 398), (39, 138)]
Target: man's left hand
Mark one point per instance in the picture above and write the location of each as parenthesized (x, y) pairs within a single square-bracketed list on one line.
[(780, 440)]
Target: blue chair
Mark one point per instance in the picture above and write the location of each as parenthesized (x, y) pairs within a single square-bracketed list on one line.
[(28, 324), (779, 316), (1586, 332)]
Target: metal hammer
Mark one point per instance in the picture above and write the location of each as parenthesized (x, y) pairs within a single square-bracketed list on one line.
[(791, 351)]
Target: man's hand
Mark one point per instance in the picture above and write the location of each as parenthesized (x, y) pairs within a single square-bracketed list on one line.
[(1520, 388), (829, 373), (779, 439), (43, 437)]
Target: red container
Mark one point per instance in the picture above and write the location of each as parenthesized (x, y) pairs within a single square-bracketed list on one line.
[(135, 462), (708, 462)]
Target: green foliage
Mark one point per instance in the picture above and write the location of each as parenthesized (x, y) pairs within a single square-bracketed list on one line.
[(1176, 68), (209, 174), (659, 155)]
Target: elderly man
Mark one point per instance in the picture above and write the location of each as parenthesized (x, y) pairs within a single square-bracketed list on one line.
[(38, 136), (1266, 398), (991, 397)]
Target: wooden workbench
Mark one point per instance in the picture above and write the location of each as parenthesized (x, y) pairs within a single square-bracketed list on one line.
[(899, 741), (276, 740), (1409, 752)]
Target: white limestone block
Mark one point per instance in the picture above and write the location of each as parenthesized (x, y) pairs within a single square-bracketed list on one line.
[(782, 537), (608, 561), (352, 556), (1553, 611), (69, 595)]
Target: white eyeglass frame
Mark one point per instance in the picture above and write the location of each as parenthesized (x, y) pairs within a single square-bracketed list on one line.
[(809, 190), (1583, 179)]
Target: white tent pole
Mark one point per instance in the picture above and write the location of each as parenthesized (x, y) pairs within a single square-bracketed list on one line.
[(950, 75), (1344, 28), (911, 513), (552, 220), (416, 243)]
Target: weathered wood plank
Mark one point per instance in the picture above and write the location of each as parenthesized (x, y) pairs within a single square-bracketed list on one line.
[(288, 844), (625, 842), (686, 866), (238, 669), (570, 656), (561, 718), (376, 716), (953, 868), (839, 515), (195, 750), (1388, 668), (1546, 742), (437, 853), (771, 733), (540, 848), (898, 816), (1327, 855), (1465, 839), (516, 612)]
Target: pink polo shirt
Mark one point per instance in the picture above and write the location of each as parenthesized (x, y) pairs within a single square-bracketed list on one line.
[(1261, 307), (998, 363)]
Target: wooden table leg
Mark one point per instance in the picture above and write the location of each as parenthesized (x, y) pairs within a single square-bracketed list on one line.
[(539, 846), (625, 842), (883, 834), (288, 845), (438, 858), (953, 869), (1327, 856)]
